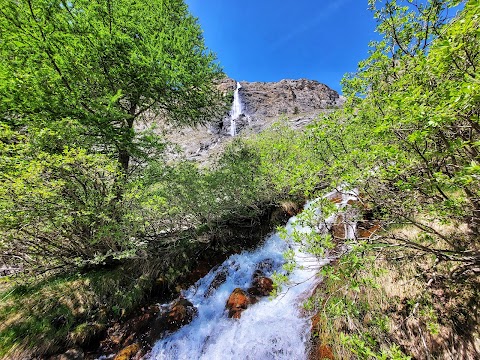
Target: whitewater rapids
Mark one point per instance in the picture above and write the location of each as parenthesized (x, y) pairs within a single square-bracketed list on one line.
[(273, 328)]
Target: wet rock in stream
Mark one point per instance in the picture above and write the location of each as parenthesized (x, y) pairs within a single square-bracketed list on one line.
[(261, 286), (237, 302), (181, 313)]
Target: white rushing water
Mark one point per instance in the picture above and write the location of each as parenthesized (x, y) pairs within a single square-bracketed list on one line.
[(270, 329), (236, 110)]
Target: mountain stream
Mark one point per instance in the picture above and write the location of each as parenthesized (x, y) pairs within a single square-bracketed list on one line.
[(272, 328)]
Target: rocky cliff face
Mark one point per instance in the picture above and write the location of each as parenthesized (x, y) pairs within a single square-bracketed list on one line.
[(271, 99), (288, 97), (265, 101), (297, 101)]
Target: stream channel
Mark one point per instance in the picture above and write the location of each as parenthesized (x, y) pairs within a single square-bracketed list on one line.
[(272, 328)]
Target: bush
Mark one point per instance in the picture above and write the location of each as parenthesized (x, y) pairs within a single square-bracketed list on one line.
[(61, 210)]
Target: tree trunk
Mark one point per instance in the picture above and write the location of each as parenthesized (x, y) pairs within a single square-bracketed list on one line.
[(123, 152), (124, 160)]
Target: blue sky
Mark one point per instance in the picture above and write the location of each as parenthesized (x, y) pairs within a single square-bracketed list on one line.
[(267, 40)]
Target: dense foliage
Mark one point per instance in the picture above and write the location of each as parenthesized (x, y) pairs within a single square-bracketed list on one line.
[(58, 210), (105, 65), (408, 135), (413, 112), (80, 82)]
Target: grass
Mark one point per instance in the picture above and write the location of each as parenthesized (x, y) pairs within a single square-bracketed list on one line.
[(47, 316), (391, 303)]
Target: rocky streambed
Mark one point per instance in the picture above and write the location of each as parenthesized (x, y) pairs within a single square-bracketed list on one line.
[(228, 313)]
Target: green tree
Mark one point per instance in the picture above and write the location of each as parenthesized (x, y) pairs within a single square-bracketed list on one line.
[(60, 211), (410, 130), (77, 80), (408, 137), (106, 64)]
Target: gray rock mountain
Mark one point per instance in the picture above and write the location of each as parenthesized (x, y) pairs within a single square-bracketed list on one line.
[(296, 101)]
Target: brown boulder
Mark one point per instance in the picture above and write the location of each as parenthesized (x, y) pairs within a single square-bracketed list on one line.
[(352, 202), (128, 353), (236, 303), (120, 335), (336, 197), (366, 228), (181, 313), (261, 286), (325, 352), (338, 228), (290, 208)]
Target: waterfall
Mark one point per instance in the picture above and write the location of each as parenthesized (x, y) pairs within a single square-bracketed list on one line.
[(236, 110), (269, 329)]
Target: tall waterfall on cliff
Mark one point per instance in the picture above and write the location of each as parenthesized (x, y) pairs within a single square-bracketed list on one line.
[(236, 110), (269, 329)]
